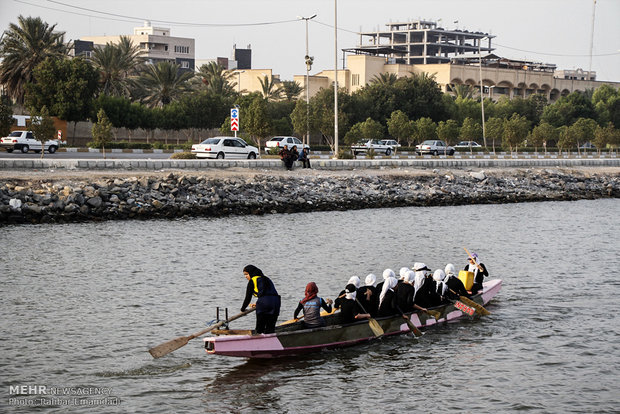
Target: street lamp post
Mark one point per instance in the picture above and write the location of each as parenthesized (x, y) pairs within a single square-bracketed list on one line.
[(309, 60), (336, 79), (484, 136)]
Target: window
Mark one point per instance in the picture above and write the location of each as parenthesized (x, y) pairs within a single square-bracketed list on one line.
[(184, 64), (181, 49), (355, 80)]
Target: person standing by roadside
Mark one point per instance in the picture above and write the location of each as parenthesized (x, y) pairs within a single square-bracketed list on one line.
[(267, 303)]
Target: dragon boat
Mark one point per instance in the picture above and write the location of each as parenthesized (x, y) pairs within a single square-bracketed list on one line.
[(294, 339)]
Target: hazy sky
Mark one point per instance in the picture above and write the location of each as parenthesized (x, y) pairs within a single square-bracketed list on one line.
[(547, 31)]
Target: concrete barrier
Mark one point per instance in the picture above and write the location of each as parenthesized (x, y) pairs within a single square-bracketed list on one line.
[(322, 164)]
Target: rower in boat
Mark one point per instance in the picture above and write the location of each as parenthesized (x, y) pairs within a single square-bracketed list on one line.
[(387, 299), (479, 271), (350, 309), (267, 303), (353, 280), (404, 291), (311, 304), (454, 283), (441, 288), (368, 295)]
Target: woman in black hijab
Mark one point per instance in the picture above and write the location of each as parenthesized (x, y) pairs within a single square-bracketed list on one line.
[(267, 303)]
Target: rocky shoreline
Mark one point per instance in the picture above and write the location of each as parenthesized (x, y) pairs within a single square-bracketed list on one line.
[(197, 194)]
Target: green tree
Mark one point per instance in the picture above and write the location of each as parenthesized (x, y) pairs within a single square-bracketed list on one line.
[(102, 131), (401, 127), (425, 129), (302, 119), (6, 116), (42, 126), (470, 130), (270, 88), (494, 130), (322, 108), (257, 124), (291, 90), (515, 131), (217, 80), (118, 65), (163, 83), (467, 108), (567, 109), (604, 136), (462, 91), (369, 129), (566, 138), (584, 130), (23, 47), (448, 131), (66, 87), (384, 79), (543, 135)]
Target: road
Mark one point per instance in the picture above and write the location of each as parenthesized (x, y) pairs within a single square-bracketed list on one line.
[(87, 156)]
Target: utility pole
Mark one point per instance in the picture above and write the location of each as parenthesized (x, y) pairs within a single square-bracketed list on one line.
[(336, 79)]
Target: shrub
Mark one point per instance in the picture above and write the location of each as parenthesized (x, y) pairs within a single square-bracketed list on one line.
[(345, 154), (183, 156)]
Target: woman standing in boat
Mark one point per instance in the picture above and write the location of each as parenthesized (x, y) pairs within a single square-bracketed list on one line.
[(268, 303), (479, 271), (311, 304)]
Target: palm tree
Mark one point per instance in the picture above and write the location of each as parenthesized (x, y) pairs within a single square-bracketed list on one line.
[(291, 90), (217, 79), (385, 79), (117, 63), (23, 47), (462, 91), (162, 83), (271, 89)]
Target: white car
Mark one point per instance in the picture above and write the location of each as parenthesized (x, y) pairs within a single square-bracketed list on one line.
[(224, 147), (24, 141), (372, 144), (467, 144), (434, 147), (280, 142), (391, 142)]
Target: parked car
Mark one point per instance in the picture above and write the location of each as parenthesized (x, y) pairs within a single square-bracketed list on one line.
[(434, 147), (24, 141), (224, 147), (376, 145), (278, 142), (588, 145), (468, 144), (391, 142)]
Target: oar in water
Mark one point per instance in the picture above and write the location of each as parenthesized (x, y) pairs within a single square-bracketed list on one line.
[(410, 324), (174, 344), (479, 308), (374, 325)]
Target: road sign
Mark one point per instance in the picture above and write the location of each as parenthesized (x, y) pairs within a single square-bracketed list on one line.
[(234, 119)]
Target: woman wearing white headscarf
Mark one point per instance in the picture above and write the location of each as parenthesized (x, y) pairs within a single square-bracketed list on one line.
[(441, 288), (368, 295), (350, 309), (353, 280), (387, 299), (479, 270), (403, 272), (405, 292), (424, 286), (456, 287), (386, 273)]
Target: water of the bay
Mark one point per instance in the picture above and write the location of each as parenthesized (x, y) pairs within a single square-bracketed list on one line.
[(82, 304)]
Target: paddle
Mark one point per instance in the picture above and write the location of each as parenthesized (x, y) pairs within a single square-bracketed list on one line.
[(374, 325), (410, 324), (434, 314), (479, 308), (174, 344), (323, 313)]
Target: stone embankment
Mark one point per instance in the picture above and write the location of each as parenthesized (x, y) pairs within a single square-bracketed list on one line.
[(186, 194)]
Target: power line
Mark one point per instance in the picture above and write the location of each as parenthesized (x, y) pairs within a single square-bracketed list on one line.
[(188, 24), (555, 54)]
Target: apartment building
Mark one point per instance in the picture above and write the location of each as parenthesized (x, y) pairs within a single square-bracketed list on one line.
[(157, 44)]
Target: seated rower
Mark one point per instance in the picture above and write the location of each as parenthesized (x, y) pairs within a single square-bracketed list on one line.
[(311, 304), (479, 271), (353, 280), (387, 300), (404, 291), (441, 288), (350, 308), (424, 286), (368, 295), (456, 287)]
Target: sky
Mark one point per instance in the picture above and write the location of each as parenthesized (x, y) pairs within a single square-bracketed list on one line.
[(547, 31)]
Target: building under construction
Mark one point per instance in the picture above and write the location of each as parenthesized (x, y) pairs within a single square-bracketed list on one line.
[(422, 42)]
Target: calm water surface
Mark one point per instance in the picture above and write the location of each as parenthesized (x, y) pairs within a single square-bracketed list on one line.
[(82, 303)]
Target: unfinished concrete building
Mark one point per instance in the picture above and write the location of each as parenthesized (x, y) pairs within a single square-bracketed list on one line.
[(422, 42)]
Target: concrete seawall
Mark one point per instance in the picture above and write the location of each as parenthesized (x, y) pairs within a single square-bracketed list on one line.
[(320, 164)]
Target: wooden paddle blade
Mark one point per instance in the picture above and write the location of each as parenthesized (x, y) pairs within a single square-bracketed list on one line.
[(434, 314), (414, 328), (170, 346), (376, 328), (479, 308)]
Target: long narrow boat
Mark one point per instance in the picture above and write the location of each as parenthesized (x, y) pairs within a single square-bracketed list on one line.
[(293, 339)]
